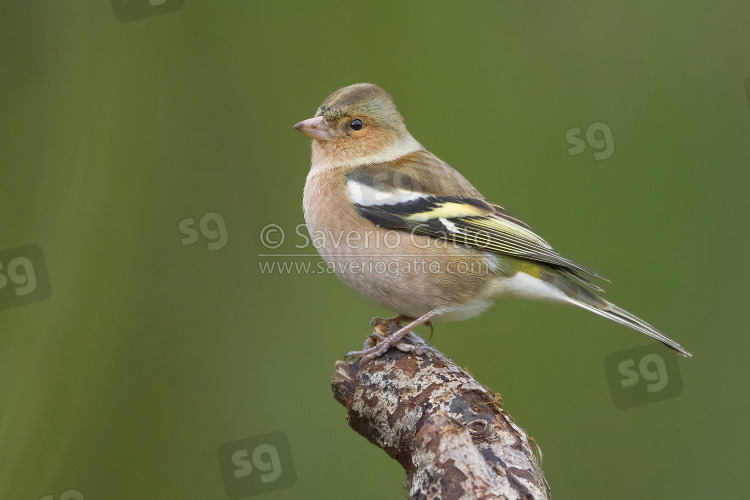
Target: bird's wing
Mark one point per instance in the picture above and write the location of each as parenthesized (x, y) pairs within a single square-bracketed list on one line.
[(467, 220)]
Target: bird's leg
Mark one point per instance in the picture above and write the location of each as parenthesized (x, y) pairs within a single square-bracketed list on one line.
[(372, 350), (391, 323), (382, 327), (414, 349)]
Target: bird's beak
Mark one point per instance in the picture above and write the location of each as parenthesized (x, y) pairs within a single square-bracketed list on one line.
[(317, 128)]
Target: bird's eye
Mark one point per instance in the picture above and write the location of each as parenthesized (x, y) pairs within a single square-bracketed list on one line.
[(356, 124)]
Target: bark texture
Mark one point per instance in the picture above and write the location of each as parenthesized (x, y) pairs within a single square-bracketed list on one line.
[(448, 431)]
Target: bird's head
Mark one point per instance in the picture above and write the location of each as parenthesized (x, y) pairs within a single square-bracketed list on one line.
[(354, 123)]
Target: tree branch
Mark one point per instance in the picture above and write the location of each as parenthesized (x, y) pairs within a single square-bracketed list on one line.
[(448, 432)]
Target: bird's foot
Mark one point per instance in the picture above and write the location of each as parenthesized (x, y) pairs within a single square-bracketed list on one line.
[(383, 338), (417, 350)]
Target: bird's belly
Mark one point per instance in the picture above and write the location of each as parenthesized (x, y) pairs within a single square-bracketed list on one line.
[(409, 275)]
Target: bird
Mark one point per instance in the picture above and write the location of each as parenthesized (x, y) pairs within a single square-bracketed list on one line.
[(406, 230)]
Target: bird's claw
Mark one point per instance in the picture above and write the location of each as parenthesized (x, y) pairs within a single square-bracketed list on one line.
[(383, 337)]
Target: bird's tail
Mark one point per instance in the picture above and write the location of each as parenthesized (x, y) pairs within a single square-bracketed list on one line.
[(580, 296)]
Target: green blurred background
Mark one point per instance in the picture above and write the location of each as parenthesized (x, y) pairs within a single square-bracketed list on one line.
[(149, 353)]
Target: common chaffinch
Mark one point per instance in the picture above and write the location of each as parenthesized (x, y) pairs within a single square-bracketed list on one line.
[(407, 231)]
